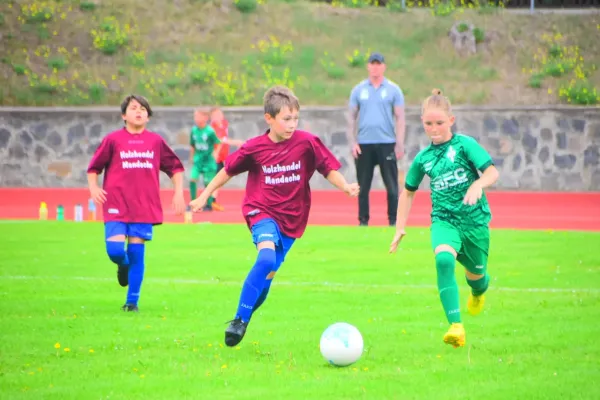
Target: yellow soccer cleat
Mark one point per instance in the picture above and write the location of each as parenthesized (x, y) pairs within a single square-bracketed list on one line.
[(456, 335), (475, 304)]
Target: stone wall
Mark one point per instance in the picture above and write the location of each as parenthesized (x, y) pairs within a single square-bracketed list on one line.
[(537, 148)]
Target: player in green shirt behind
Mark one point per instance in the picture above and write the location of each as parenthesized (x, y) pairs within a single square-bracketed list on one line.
[(203, 140), (460, 213)]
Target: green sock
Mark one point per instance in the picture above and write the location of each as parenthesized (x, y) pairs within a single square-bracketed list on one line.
[(479, 286), (193, 190), (447, 286), (211, 200)]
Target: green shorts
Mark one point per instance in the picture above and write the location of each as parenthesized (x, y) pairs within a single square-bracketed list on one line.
[(471, 245), (208, 172)]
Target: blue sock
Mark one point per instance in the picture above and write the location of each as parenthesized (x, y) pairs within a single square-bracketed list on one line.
[(135, 252), (263, 295), (116, 252), (269, 280), (255, 283)]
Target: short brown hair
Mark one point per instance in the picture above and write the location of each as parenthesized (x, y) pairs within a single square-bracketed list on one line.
[(278, 97), (437, 100), (140, 99)]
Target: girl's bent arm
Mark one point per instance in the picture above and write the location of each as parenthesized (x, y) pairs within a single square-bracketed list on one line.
[(488, 178), (404, 205)]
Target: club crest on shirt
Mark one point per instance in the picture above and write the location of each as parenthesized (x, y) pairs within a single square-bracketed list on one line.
[(451, 153)]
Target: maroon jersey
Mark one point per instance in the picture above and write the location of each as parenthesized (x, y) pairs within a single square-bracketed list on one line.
[(278, 178), (131, 165)]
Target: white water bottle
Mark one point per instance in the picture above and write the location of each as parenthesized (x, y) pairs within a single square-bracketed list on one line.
[(78, 213)]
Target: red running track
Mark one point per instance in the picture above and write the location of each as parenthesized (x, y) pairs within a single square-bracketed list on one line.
[(516, 210)]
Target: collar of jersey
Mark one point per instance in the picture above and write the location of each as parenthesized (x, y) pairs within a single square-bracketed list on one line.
[(437, 146)]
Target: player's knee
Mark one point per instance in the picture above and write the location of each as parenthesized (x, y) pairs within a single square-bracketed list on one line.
[(136, 240), (265, 262), (271, 275), (116, 251), (265, 244), (444, 263), (445, 248), (473, 277)]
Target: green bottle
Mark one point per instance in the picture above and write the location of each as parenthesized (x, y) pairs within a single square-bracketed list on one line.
[(60, 213)]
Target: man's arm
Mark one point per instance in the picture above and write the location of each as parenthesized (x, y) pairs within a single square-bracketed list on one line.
[(351, 119), (400, 129)]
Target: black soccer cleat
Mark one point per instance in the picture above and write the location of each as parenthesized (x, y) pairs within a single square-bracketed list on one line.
[(130, 308), (123, 275), (235, 332)]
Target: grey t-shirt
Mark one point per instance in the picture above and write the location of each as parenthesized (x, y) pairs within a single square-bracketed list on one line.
[(376, 110)]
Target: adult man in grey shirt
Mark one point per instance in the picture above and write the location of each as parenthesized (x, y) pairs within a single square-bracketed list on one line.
[(377, 107)]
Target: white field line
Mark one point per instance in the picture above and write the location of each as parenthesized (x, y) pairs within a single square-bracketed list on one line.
[(338, 285)]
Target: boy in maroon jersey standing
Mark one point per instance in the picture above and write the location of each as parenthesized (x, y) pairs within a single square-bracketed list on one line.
[(277, 201), (132, 159)]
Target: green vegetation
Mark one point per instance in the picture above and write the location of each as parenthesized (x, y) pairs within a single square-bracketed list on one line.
[(229, 51)]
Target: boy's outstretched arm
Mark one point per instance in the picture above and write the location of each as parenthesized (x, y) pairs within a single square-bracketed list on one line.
[(235, 142), (404, 205), (337, 179), (218, 181)]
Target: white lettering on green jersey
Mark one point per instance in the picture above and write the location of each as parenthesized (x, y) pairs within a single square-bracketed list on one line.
[(203, 140), (452, 168)]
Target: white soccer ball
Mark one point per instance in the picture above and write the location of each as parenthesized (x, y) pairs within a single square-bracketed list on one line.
[(341, 344)]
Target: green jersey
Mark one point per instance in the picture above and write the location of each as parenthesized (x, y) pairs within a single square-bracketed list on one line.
[(452, 168), (203, 140)]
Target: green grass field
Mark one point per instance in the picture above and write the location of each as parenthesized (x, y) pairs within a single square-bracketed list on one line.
[(536, 339)]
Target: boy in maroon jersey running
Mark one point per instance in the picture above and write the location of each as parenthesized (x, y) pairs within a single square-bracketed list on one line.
[(131, 159), (276, 205)]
